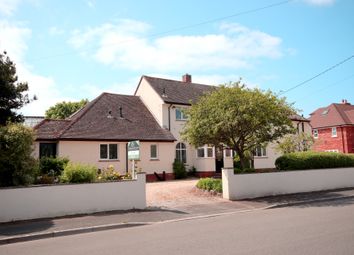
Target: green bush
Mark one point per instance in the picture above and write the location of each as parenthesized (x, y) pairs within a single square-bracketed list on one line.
[(210, 184), (17, 166), (78, 173), (192, 171), (109, 174), (52, 166), (313, 160), (179, 169)]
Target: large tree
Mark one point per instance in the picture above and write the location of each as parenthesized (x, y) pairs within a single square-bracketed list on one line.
[(64, 109), (12, 96), (238, 117), (295, 143)]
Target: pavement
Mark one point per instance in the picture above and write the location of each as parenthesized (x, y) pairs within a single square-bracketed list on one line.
[(166, 202)]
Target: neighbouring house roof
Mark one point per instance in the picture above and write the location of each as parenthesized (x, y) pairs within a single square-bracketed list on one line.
[(108, 117), (333, 115), (178, 92), (297, 117)]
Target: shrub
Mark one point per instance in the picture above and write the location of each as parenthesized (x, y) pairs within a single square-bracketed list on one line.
[(17, 166), (78, 173), (313, 160), (192, 171), (52, 166), (109, 174), (179, 169), (210, 184)]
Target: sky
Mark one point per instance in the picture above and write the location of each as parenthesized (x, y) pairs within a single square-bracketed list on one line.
[(73, 49)]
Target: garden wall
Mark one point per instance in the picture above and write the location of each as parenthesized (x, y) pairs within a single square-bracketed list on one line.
[(241, 186), (68, 199)]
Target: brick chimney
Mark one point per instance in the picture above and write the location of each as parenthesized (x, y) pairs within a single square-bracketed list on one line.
[(187, 78), (344, 101)]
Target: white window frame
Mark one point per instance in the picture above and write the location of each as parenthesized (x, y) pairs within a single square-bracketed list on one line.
[(334, 134), (334, 150), (108, 158), (180, 151), (263, 152), (157, 151), (315, 133), (205, 148), (231, 153), (183, 116)]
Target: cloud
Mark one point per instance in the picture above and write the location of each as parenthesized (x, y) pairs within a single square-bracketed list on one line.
[(8, 7), (14, 37), (126, 44), (320, 2), (56, 31)]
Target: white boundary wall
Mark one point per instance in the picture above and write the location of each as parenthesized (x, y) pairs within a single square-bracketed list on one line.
[(69, 199), (241, 186)]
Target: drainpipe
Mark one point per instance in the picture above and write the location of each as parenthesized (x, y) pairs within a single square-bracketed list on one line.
[(169, 117), (342, 128)]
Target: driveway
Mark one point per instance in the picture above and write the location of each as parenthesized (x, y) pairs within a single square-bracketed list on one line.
[(182, 195)]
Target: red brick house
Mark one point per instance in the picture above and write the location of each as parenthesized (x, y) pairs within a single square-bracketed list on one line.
[(333, 128)]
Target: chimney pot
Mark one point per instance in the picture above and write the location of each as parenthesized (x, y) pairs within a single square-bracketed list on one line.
[(187, 78)]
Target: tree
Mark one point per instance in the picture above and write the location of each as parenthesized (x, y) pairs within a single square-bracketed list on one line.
[(64, 109), (238, 117), (17, 166), (295, 143), (11, 92)]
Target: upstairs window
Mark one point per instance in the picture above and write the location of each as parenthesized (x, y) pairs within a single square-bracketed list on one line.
[(315, 133), (334, 132), (109, 151), (260, 151), (180, 115)]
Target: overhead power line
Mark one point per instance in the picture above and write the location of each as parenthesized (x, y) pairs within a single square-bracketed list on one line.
[(155, 35), (317, 75)]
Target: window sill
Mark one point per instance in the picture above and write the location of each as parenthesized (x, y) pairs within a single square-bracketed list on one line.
[(182, 120), (260, 157), (154, 159), (108, 160)]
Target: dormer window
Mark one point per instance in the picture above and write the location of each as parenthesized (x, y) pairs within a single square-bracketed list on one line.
[(180, 115)]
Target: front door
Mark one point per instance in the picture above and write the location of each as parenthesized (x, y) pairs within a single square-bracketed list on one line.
[(219, 160)]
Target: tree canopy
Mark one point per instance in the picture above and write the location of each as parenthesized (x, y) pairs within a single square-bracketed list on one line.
[(295, 143), (12, 95), (238, 117), (64, 109)]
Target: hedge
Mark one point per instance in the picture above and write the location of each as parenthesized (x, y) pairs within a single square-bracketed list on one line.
[(210, 184), (313, 160)]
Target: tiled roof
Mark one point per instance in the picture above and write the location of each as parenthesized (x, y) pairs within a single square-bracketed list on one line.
[(178, 92), (333, 115), (50, 129), (297, 117), (101, 120)]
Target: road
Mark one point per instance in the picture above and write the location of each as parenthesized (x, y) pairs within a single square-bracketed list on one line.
[(318, 228)]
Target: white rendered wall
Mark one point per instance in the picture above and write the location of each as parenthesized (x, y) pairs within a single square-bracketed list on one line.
[(242, 186), (69, 199)]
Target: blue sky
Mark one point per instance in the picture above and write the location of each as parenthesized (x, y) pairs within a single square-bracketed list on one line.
[(69, 50)]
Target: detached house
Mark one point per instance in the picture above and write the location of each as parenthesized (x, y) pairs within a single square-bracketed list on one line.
[(98, 133), (333, 128)]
